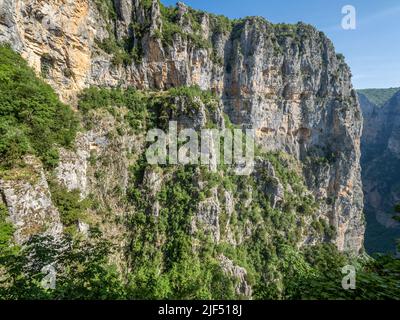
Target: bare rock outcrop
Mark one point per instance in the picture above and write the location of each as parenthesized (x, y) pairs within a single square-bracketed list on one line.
[(242, 287), (26, 194), (284, 81), (380, 160)]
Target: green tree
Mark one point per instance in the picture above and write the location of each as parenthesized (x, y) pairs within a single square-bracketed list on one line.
[(32, 119), (82, 270)]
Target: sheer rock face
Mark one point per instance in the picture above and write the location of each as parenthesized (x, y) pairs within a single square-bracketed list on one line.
[(242, 288), (26, 194), (380, 161), (108, 152), (55, 37), (287, 84), (207, 217)]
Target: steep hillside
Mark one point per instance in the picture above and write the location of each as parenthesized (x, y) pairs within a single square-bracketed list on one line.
[(285, 81), (165, 230), (380, 163)]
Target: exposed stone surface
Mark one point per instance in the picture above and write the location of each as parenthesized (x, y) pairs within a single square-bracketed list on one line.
[(83, 228), (108, 151), (380, 161), (229, 209), (242, 288), (207, 216), (285, 82), (152, 183), (273, 187), (26, 194), (72, 169), (55, 37)]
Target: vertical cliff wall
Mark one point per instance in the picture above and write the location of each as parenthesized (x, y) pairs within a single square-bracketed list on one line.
[(285, 81), (380, 162)]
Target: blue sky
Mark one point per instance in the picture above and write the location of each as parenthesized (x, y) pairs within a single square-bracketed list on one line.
[(372, 50)]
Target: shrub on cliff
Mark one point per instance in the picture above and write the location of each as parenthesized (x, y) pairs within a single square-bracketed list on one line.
[(32, 119)]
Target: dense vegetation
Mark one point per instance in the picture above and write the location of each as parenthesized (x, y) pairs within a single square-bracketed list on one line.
[(130, 49), (165, 256), (276, 268), (188, 26), (32, 119), (6, 228), (145, 109), (183, 275), (69, 204), (263, 254), (379, 96), (81, 270)]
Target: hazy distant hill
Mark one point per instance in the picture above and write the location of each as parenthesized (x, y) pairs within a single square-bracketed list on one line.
[(379, 96)]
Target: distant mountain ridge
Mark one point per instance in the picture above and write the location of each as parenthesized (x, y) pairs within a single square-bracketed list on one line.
[(379, 96)]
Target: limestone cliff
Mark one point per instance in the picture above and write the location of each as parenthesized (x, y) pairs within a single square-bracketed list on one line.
[(283, 80), (380, 162)]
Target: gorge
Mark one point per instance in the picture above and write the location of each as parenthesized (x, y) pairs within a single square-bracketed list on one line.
[(73, 169)]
